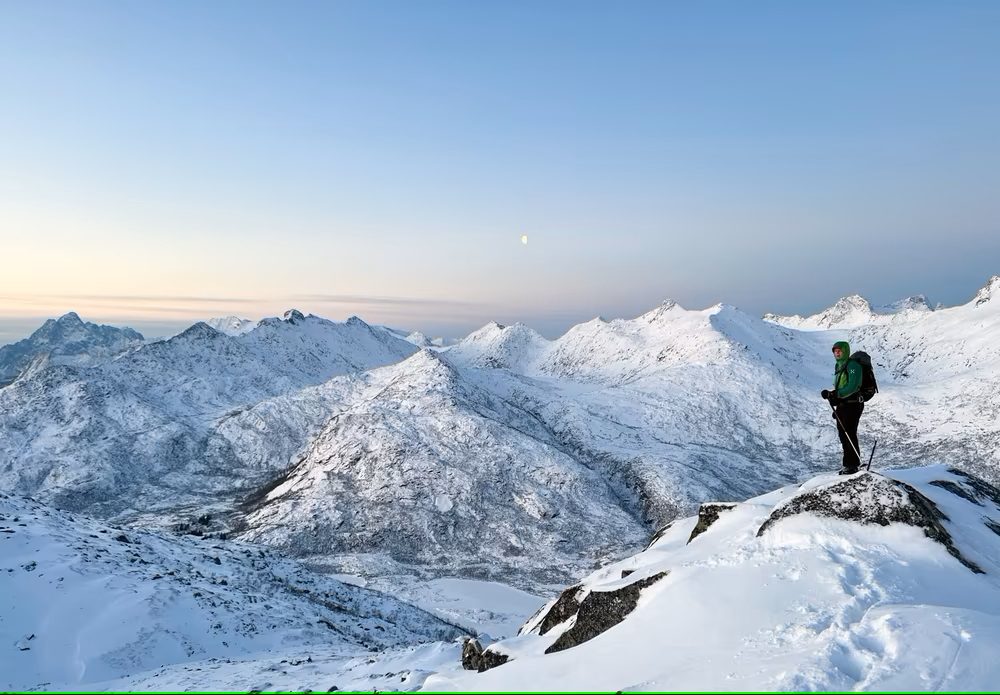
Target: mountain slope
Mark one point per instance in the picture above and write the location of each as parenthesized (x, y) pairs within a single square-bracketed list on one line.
[(867, 582), (433, 470), (82, 602)]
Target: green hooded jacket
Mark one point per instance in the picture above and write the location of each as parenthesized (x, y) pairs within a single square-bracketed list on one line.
[(847, 374)]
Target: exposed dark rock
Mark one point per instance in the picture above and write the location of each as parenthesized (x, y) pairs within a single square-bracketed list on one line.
[(626, 573), (562, 610), (472, 652), (475, 658), (992, 525), (492, 659), (956, 489), (871, 498), (658, 535), (980, 489), (122, 538), (602, 610), (708, 514)]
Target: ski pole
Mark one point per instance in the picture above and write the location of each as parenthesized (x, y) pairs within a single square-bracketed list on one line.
[(873, 455), (837, 415)]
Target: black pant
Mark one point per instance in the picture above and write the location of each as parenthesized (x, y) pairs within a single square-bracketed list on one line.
[(849, 415)]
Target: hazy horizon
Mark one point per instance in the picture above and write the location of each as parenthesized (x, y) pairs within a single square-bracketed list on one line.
[(385, 311)]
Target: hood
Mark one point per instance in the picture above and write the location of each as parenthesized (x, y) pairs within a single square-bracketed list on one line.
[(845, 351)]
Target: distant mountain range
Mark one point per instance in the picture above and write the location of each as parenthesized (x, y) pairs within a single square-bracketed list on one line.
[(66, 340), (492, 457)]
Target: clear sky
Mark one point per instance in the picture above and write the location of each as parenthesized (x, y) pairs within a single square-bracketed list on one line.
[(162, 162)]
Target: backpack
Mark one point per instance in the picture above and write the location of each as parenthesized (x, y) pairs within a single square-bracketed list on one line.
[(869, 387)]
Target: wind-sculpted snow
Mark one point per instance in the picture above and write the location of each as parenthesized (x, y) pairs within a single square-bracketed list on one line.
[(845, 590), (82, 602), (66, 340)]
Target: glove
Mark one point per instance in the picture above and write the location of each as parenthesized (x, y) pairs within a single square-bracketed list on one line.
[(833, 398), (825, 394)]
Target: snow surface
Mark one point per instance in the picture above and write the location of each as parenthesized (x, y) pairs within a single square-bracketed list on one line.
[(815, 603), (812, 603), (232, 325), (82, 603), (469, 480)]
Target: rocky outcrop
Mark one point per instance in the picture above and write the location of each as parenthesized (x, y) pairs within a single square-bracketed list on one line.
[(600, 611), (708, 514), (870, 498), (475, 658), (969, 487), (565, 607)]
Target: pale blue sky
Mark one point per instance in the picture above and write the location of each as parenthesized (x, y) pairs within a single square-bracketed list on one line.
[(166, 161)]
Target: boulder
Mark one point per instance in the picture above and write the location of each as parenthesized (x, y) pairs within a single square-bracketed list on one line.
[(870, 498), (602, 610), (562, 610), (475, 658), (969, 487)]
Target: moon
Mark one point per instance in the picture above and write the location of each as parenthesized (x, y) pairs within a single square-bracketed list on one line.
[(524, 239)]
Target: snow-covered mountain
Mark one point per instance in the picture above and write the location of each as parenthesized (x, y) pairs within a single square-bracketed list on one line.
[(865, 582), (151, 429), (66, 340), (81, 602), (855, 311), (432, 469), (504, 347), (295, 434), (232, 325), (640, 418)]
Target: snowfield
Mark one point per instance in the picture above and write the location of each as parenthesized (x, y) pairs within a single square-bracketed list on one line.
[(298, 503), (820, 600), (82, 602), (868, 582)]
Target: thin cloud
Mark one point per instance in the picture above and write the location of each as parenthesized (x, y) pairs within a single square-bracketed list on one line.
[(149, 298), (384, 301)]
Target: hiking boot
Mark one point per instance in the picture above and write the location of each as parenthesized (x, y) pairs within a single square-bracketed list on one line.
[(847, 471)]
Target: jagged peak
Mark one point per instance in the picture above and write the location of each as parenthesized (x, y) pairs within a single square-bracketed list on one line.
[(426, 362), (665, 307), (917, 302), (293, 316), (70, 317), (852, 301), (200, 330), (988, 291)]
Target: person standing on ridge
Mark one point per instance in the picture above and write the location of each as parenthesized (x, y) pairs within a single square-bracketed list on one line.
[(847, 403)]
